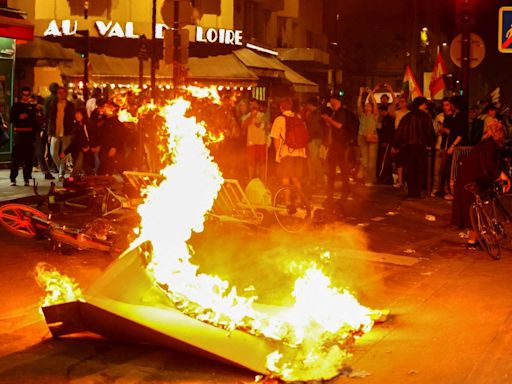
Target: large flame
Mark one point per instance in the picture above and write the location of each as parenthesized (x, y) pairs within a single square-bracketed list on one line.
[(323, 320)]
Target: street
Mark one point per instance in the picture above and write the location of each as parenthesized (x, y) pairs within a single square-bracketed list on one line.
[(450, 309)]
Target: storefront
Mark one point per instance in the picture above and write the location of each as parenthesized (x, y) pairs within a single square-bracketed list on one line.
[(13, 28)]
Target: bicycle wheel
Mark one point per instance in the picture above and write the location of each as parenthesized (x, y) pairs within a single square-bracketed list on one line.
[(484, 228), (291, 209), (503, 209), (18, 219)]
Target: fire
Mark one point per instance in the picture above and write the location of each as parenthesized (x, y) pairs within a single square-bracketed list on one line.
[(59, 288), (126, 117), (320, 325), (204, 93)]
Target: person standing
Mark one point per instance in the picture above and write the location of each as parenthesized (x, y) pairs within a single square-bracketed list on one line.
[(24, 119), (386, 132), (291, 161), (337, 154), (254, 123), (458, 133), (61, 115), (443, 124), (316, 129), (112, 142), (368, 139), (414, 135)]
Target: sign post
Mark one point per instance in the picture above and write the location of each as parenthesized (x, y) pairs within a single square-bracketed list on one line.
[(505, 30)]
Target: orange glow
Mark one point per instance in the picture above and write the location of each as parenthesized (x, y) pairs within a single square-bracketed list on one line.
[(59, 288), (323, 320)]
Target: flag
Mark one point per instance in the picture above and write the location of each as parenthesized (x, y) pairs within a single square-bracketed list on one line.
[(411, 87), (437, 84), (495, 97)]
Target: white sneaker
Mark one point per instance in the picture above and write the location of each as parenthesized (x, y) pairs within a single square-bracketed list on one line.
[(448, 197), (398, 185)]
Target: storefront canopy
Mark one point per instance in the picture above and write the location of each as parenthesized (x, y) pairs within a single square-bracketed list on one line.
[(16, 28), (40, 49), (269, 66), (225, 69)]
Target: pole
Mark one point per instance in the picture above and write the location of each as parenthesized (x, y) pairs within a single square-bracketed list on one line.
[(153, 51), (86, 53), (466, 61), (176, 70)]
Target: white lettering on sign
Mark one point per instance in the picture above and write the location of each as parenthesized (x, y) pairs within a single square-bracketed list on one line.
[(52, 29), (159, 30), (115, 29), (102, 27), (222, 36)]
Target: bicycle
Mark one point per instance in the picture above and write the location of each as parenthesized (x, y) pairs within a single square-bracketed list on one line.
[(491, 218), (30, 223)]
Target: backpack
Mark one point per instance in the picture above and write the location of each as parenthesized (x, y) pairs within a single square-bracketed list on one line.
[(297, 135)]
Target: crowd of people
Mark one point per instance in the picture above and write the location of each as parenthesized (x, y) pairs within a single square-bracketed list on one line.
[(61, 136), (312, 144)]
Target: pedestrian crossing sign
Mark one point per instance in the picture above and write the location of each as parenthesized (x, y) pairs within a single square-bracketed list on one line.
[(505, 30)]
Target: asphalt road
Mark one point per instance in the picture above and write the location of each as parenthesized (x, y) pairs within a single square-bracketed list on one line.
[(451, 310)]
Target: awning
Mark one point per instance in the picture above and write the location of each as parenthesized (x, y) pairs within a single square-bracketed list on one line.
[(40, 49), (260, 63), (225, 69), (16, 28)]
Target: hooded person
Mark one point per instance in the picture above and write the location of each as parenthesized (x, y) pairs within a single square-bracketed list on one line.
[(414, 136)]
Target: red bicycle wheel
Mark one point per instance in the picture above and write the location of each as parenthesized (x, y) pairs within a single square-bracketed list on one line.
[(18, 219)]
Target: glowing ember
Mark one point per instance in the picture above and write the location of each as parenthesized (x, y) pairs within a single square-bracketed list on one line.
[(126, 117), (323, 320), (204, 93), (59, 288)]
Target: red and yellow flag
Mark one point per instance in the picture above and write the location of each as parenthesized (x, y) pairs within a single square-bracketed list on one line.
[(411, 85), (437, 84)]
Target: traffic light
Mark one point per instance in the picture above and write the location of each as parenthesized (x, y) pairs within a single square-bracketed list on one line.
[(465, 12)]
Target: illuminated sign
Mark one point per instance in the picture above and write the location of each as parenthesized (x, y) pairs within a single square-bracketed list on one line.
[(222, 36), (105, 29), (127, 31)]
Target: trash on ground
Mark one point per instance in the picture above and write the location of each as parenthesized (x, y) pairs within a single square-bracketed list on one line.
[(430, 218), (378, 218), (364, 225), (463, 235), (410, 251), (391, 213)]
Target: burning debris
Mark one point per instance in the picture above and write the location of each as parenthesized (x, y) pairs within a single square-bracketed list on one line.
[(58, 288), (307, 341)]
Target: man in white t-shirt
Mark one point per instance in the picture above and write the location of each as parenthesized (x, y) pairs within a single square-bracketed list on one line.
[(291, 161), (255, 124)]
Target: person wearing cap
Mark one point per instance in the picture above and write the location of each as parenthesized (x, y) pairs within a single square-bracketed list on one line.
[(24, 119), (413, 136)]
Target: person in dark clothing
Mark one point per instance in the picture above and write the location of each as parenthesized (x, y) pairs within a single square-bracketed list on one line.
[(338, 144), (111, 142), (80, 148), (476, 127), (44, 154), (316, 129), (481, 167), (24, 119), (386, 132), (458, 133), (414, 135)]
